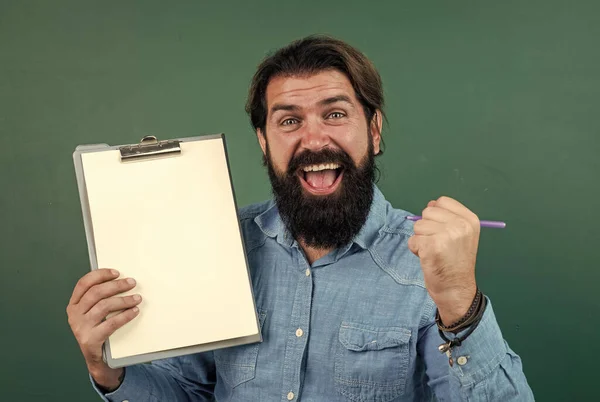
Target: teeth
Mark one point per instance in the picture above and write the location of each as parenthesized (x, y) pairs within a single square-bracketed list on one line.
[(316, 168)]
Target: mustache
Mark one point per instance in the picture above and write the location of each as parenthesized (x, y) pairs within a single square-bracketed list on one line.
[(326, 155)]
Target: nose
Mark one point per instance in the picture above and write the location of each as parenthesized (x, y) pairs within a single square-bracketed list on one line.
[(314, 137)]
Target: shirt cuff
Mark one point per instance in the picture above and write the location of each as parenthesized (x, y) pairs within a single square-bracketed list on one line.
[(135, 386), (481, 352)]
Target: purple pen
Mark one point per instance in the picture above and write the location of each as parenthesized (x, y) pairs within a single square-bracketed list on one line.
[(484, 224)]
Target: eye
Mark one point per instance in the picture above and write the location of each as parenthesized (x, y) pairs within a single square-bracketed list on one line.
[(336, 115), (289, 122)]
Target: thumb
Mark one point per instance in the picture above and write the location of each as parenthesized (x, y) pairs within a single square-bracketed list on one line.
[(413, 244)]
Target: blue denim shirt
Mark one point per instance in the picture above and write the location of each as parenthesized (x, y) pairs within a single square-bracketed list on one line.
[(356, 325)]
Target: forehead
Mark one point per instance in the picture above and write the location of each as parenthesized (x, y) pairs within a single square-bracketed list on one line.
[(309, 89)]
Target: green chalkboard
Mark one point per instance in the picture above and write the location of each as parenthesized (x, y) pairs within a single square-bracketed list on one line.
[(493, 103)]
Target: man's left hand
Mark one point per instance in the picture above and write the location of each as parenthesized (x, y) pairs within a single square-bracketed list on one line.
[(446, 241)]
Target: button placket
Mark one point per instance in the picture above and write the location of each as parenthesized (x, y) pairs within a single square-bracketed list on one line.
[(300, 323)]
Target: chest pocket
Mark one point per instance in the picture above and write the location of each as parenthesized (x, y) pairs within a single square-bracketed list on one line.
[(371, 363), (237, 364)]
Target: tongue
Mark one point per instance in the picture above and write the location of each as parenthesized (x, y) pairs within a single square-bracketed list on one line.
[(321, 179)]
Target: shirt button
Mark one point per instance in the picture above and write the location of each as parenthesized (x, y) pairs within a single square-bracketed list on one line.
[(461, 360), (299, 332), (290, 396), (307, 272)]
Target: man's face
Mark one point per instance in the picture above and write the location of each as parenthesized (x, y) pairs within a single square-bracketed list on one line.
[(311, 114), (319, 151)]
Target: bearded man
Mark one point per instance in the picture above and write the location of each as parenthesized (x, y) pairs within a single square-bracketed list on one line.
[(356, 303)]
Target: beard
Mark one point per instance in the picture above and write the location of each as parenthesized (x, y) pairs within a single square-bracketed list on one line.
[(328, 221)]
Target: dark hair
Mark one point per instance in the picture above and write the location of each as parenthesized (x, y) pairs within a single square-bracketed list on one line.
[(311, 55)]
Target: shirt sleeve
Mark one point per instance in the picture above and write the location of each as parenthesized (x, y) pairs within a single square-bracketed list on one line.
[(186, 378), (484, 369)]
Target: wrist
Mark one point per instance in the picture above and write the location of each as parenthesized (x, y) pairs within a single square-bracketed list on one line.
[(469, 324), (454, 305), (106, 378)]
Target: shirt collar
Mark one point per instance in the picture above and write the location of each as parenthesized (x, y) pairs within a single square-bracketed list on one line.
[(272, 225)]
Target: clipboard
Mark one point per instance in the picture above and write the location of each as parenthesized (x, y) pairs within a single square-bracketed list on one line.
[(167, 210)]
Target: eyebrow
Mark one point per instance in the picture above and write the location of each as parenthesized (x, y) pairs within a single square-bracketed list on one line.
[(324, 102), (335, 99), (281, 106)]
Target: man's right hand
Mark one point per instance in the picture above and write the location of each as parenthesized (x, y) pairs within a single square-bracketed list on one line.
[(93, 298)]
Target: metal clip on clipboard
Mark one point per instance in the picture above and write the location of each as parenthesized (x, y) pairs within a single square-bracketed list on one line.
[(149, 146)]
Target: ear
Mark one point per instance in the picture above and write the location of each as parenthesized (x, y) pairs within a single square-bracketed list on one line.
[(376, 124), (261, 140)]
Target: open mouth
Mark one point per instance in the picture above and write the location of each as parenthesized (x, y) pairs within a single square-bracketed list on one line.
[(321, 179)]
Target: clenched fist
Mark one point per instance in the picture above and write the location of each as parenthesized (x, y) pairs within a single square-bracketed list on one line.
[(446, 241)]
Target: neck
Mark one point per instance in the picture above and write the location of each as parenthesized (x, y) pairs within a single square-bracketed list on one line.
[(312, 253)]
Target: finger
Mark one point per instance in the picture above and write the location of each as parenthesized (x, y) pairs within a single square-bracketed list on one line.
[(438, 214), (427, 227), (431, 204), (104, 291), (456, 207), (106, 306), (90, 279), (108, 327), (413, 244)]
